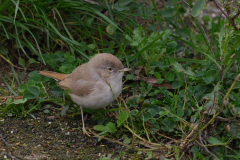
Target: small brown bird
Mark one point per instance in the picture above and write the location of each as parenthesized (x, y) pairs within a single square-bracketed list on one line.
[(89, 83)]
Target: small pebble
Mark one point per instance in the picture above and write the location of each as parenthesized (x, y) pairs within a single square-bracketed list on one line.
[(67, 133)]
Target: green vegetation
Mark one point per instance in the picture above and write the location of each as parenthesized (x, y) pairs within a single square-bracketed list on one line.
[(184, 88)]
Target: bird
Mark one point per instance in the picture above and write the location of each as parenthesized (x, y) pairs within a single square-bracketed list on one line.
[(94, 84)]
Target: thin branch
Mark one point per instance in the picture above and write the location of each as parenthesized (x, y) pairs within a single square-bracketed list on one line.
[(236, 15), (200, 138), (231, 20)]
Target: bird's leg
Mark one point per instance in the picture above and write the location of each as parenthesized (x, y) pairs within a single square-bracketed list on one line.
[(83, 128)]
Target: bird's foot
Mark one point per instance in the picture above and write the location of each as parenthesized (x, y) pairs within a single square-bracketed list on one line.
[(85, 132)]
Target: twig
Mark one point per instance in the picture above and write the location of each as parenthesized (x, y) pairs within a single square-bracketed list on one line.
[(183, 120), (10, 62), (155, 144), (151, 17), (221, 9), (231, 20), (3, 99), (112, 140), (145, 128), (236, 15), (191, 133), (153, 136), (200, 138), (185, 92), (174, 140), (130, 119)]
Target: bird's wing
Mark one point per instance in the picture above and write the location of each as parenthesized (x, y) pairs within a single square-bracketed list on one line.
[(84, 88)]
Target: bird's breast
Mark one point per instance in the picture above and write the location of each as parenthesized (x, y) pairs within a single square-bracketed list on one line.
[(101, 96)]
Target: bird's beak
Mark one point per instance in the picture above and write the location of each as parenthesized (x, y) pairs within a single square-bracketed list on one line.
[(125, 70)]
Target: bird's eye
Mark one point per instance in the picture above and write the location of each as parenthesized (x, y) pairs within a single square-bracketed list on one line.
[(110, 69)]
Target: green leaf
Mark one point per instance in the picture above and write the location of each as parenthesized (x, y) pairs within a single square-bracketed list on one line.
[(160, 80), (30, 82), (146, 117), (64, 110), (63, 69), (120, 18), (149, 154), (165, 121), (46, 111), (235, 130), (168, 12), (119, 8), (111, 127), (31, 60), (21, 62), (100, 128), (130, 77), (175, 85), (163, 113), (157, 75), (35, 77), (92, 46), (149, 87), (126, 140), (194, 149), (167, 128), (122, 117), (28, 96), (179, 68), (111, 29), (197, 8), (22, 87), (123, 2), (213, 140), (19, 101), (35, 90), (8, 101), (56, 91), (170, 76), (152, 112), (208, 80), (180, 112)]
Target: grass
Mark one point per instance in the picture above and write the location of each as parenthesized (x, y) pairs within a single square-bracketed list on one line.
[(202, 72)]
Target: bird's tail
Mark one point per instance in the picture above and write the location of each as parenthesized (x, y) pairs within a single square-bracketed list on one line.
[(54, 75)]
